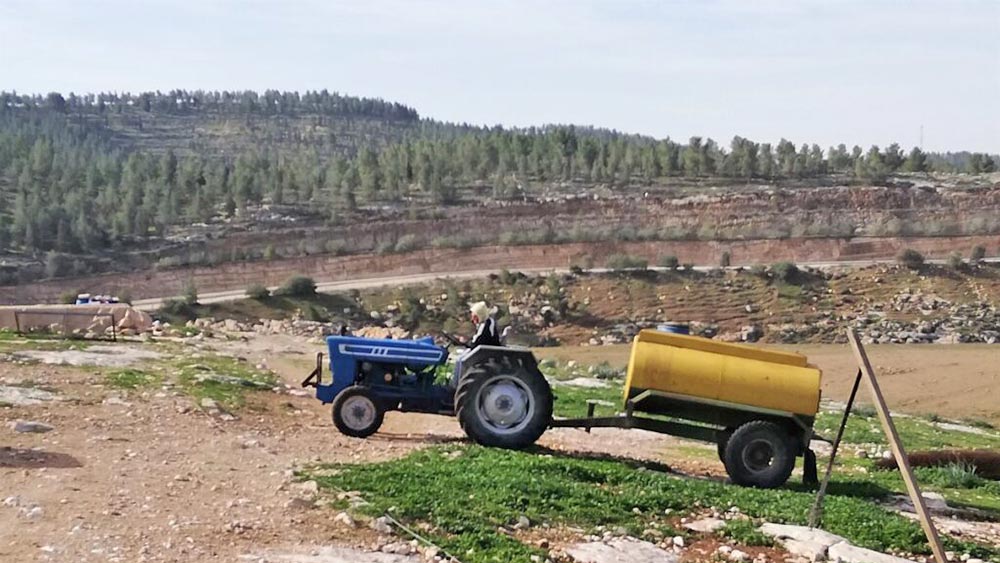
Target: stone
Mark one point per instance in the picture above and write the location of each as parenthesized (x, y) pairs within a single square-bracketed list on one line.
[(737, 556), (209, 404), (705, 525), (300, 504), (782, 532), (522, 523), (30, 426), (328, 554), (813, 551), (678, 541), (848, 553), (344, 519), (625, 550), (310, 488), (24, 396), (34, 513), (381, 525)]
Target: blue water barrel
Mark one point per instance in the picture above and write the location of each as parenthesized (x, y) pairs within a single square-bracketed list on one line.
[(676, 328)]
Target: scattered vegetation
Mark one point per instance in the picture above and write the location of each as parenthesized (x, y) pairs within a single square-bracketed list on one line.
[(911, 259), (669, 262), (225, 380), (465, 494), (785, 272), (978, 254), (622, 262), (131, 378), (297, 286), (258, 292), (746, 533)]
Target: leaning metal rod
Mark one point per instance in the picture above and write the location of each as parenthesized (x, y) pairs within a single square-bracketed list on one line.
[(816, 514)]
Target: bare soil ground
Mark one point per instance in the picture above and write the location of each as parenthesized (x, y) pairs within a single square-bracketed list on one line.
[(146, 475), (953, 381)]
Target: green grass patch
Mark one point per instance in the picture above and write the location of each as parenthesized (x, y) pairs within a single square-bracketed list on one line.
[(223, 379), (746, 533), (916, 433), (131, 378), (11, 342), (571, 401), (466, 494)]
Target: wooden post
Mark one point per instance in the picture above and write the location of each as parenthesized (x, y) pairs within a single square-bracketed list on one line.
[(897, 447)]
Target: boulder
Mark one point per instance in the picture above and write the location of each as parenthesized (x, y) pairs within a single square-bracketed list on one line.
[(626, 550), (848, 553)]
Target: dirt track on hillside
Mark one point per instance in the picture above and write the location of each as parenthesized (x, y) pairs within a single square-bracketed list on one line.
[(237, 276), (953, 381)]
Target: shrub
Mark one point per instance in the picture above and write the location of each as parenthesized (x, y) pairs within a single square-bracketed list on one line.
[(258, 292), (911, 259), (978, 254), (269, 253), (68, 297), (726, 259), (959, 475), (758, 270), (312, 313), (507, 277), (190, 294), (785, 271), (626, 262), (955, 261), (297, 286), (406, 243), (176, 307), (669, 262), (384, 247), (125, 296)]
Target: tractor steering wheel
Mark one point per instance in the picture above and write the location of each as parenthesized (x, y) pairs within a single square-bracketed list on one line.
[(452, 340)]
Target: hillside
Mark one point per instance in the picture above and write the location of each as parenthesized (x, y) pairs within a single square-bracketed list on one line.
[(125, 182), (779, 304)]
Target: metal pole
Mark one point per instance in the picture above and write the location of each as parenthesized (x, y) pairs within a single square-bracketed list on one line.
[(816, 514)]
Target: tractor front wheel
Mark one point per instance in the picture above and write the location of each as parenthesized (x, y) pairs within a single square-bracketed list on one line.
[(504, 404), (356, 412)]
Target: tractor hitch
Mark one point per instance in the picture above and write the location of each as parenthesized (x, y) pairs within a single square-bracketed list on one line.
[(315, 377)]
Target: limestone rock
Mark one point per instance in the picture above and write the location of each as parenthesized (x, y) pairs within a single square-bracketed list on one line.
[(626, 550)]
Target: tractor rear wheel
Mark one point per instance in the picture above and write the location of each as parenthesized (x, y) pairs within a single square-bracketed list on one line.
[(356, 412), (760, 454), (504, 404)]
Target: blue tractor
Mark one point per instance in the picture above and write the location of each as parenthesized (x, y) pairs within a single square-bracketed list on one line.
[(500, 397)]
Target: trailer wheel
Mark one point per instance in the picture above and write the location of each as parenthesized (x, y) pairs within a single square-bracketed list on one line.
[(504, 404), (356, 412), (722, 440), (760, 454)]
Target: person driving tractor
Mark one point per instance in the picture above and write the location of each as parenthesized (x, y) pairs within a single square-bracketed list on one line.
[(486, 326), (486, 334)]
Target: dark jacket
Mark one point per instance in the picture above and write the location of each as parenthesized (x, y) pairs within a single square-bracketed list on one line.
[(486, 334)]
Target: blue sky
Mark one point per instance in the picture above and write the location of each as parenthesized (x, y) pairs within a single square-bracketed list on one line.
[(827, 72)]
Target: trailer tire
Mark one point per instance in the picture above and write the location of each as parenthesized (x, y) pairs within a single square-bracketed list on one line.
[(504, 404), (722, 439), (760, 454), (356, 412)]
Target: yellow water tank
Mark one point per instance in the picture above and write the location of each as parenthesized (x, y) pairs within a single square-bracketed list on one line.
[(722, 373)]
